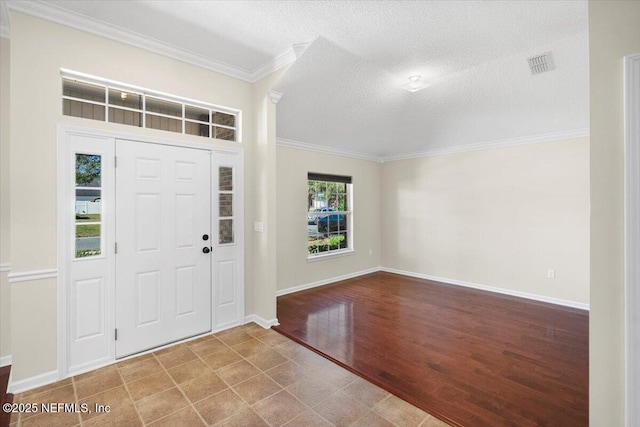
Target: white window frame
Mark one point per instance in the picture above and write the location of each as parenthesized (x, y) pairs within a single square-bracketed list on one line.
[(144, 93), (349, 250)]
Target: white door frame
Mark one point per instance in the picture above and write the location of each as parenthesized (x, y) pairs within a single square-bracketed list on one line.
[(632, 237), (64, 196)]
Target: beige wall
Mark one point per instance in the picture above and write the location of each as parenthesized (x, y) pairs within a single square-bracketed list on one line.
[(498, 218), (39, 49), (614, 31), (5, 241), (293, 166)]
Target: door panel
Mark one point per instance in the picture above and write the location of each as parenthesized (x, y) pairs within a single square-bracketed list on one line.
[(86, 221), (227, 241), (163, 278)]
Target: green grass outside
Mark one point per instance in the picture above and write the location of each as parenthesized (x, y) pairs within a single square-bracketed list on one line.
[(88, 230), (88, 217)]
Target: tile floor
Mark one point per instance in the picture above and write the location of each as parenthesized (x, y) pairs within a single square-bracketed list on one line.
[(246, 376)]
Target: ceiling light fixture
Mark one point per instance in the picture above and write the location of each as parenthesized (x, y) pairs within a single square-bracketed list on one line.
[(123, 96), (415, 84)]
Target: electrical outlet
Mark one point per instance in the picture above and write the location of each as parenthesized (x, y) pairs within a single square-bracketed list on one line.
[(370, 251), (551, 274)]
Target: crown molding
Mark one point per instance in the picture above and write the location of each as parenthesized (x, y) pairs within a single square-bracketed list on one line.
[(502, 143), (84, 23), (287, 57), (326, 150)]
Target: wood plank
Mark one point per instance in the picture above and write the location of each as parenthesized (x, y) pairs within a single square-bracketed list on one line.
[(5, 418), (469, 357)]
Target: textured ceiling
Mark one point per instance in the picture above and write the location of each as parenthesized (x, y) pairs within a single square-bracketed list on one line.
[(343, 91)]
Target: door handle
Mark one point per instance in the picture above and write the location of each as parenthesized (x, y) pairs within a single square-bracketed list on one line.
[(206, 250), (205, 237)]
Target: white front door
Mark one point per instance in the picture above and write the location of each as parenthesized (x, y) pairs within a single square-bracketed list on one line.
[(163, 216)]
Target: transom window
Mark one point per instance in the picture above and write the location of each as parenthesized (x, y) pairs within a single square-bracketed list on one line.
[(98, 99), (329, 216)]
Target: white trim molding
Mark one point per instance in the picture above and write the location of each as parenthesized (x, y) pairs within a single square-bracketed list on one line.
[(326, 150), (287, 57), (5, 361), (260, 321), (326, 281), (27, 276), (526, 295), (632, 236), (5, 268), (33, 382), (275, 96), (503, 143), (59, 15)]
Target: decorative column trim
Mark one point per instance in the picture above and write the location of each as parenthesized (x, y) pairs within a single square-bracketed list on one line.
[(275, 96)]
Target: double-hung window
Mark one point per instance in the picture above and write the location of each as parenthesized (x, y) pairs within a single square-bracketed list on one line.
[(329, 215)]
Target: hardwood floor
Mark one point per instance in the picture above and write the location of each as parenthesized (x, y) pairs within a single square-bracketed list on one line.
[(469, 357), (5, 417)]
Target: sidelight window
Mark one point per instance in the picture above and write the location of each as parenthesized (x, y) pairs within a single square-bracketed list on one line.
[(88, 205), (225, 205)]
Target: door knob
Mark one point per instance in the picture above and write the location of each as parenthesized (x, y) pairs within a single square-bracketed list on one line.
[(205, 237), (206, 250)]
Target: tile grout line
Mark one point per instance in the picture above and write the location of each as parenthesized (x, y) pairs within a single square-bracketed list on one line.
[(190, 404), (201, 358), (126, 387)]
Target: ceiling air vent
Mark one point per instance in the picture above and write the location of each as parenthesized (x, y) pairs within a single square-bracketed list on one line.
[(541, 63)]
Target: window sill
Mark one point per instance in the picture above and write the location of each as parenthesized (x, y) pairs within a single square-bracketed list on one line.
[(336, 254)]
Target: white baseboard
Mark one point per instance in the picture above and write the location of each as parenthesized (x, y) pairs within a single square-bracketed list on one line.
[(261, 321), (535, 297), (326, 281), (503, 291), (33, 382), (5, 361)]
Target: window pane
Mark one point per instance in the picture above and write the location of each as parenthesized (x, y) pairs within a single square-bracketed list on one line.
[(226, 204), (125, 117), (326, 228), (224, 119), (163, 107), (225, 178), (223, 133), (88, 205), (82, 109), (163, 123), (83, 90), (122, 98), (196, 113), (198, 129), (338, 241), (88, 170), (225, 231), (87, 240), (342, 202)]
